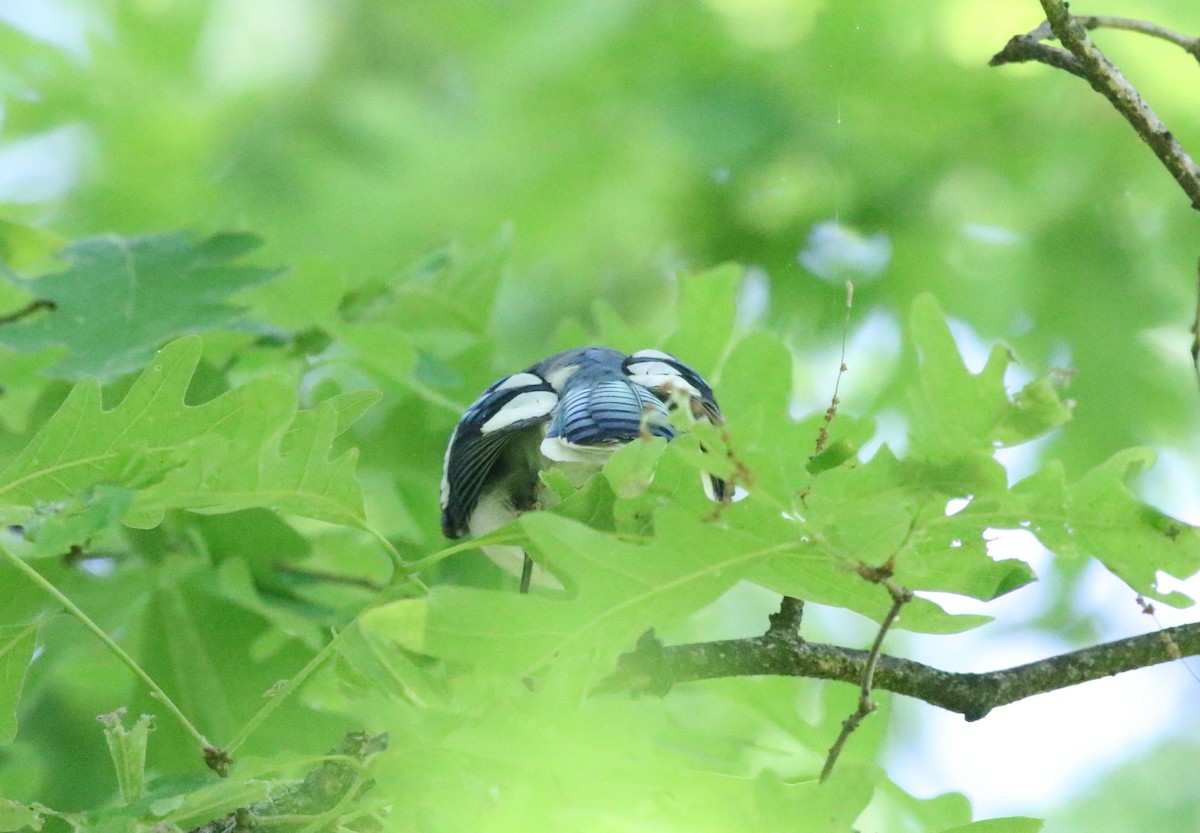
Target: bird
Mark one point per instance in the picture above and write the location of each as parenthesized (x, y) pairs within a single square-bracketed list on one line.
[(569, 411)]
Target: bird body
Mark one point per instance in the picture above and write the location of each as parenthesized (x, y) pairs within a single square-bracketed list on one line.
[(569, 411)]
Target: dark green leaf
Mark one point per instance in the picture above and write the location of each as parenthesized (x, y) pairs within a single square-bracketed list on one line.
[(121, 298)]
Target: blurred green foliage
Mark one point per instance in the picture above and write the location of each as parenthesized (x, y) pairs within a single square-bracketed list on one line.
[(448, 192)]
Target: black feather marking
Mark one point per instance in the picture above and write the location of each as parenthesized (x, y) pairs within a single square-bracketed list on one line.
[(473, 457)]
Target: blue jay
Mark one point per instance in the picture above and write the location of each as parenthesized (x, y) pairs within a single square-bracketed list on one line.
[(572, 411)]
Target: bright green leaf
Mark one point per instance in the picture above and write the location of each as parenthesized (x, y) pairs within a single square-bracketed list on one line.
[(22, 245), (705, 313), (955, 410), (1015, 824), (248, 447), (371, 648), (1129, 537), (58, 528), (630, 470), (17, 643), (283, 467), (623, 590), (15, 817)]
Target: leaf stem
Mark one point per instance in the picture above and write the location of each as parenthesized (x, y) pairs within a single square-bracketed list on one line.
[(470, 544), (284, 691), (130, 663)]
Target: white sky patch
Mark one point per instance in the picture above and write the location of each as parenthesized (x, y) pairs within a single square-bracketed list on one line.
[(973, 349), (1061, 356), (99, 567), (247, 46), (835, 252), (63, 25), (995, 235), (753, 297), (1029, 756), (1172, 484), (1021, 323), (956, 505), (891, 428), (1016, 377), (42, 167), (1021, 461)]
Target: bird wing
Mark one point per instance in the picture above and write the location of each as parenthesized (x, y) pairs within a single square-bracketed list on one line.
[(595, 417), (666, 375), (506, 411)]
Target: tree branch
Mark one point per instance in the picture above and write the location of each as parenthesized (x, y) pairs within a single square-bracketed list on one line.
[(1081, 57), (972, 695)]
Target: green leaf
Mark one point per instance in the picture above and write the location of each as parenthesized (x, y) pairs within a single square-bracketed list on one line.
[(237, 585), (955, 410), (17, 643), (1134, 540), (128, 750), (833, 455), (134, 443), (280, 466), (248, 447), (706, 311), (370, 648), (122, 297), (623, 589), (890, 511), (22, 245), (1099, 516), (631, 468), (1014, 824), (56, 529), (15, 817)]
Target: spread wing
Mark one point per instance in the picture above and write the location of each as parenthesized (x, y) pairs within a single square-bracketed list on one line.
[(673, 382), (506, 412)]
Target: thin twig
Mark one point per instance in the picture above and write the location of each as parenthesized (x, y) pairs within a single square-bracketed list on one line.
[(28, 310), (831, 411), (900, 597), (1096, 21), (280, 693), (329, 577)]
